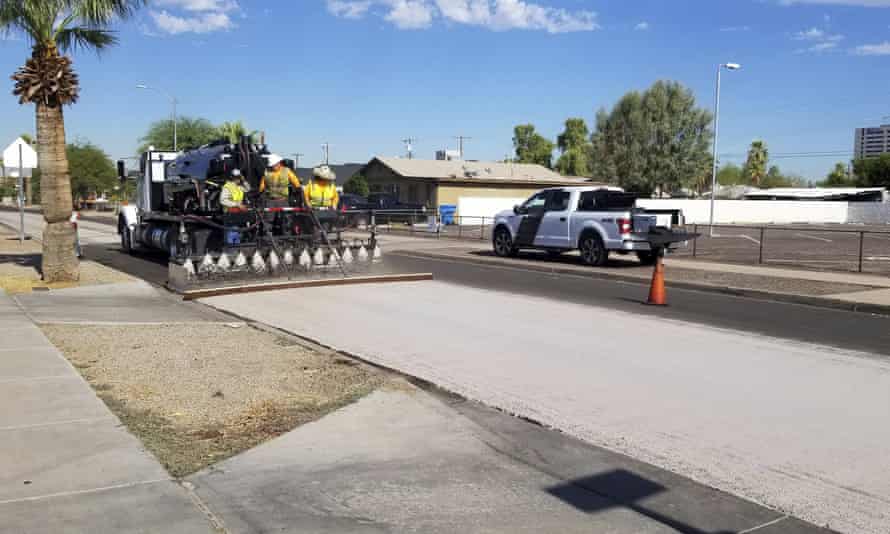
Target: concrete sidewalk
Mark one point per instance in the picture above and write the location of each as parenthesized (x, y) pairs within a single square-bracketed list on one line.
[(66, 462)]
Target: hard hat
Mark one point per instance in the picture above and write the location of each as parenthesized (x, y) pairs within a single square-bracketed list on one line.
[(235, 173), (324, 172), (273, 160)]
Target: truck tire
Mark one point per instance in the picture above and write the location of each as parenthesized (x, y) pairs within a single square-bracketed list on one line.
[(648, 257), (593, 252), (126, 239), (502, 243)]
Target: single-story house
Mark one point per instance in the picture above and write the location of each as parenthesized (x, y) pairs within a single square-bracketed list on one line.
[(343, 171), (475, 188)]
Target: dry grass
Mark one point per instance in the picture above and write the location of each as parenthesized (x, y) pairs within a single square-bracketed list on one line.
[(197, 394), (20, 268)]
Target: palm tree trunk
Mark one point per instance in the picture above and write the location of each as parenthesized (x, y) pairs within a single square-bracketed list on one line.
[(60, 263)]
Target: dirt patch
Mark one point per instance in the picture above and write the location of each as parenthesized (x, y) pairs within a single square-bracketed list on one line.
[(20, 268), (197, 394)]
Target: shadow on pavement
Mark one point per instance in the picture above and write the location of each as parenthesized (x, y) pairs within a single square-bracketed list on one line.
[(618, 488), (562, 259)]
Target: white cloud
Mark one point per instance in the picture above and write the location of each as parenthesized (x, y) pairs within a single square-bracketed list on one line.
[(821, 39), (410, 14), (348, 9), (201, 23), (199, 5), (192, 16), (497, 15), (880, 49), (643, 26)]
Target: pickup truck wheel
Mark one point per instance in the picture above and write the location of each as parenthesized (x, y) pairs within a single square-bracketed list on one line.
[(503, 243), (593, 252)]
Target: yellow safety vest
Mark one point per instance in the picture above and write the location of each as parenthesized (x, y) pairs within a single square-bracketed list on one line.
[(235, 191), (322, 195), (277, 183)]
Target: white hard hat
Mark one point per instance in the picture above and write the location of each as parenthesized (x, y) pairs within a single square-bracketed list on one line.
[(273, 160), (324, 172), (235, 173)]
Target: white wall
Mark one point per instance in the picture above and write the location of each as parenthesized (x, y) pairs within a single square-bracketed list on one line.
[(868, 212), (753, 211), (484, 207)]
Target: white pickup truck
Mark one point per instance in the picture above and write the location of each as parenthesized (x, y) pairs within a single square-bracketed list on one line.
[(594, 220)]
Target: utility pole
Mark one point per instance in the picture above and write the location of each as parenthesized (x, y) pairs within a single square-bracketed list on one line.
[(326, 147), (409, 146), (460, 144), (297, 157)]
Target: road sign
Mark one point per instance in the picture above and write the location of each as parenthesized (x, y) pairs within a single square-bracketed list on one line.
[(11, 156)]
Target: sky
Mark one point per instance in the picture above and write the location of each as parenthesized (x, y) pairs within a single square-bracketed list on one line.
[(363, 75)]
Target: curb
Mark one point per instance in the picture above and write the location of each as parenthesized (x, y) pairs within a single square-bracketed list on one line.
[(756, 294)]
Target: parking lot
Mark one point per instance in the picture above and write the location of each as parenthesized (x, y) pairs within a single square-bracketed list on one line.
[(830, 248)]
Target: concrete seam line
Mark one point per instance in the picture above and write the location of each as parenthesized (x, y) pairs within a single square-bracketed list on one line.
[(57, 423), (142, 323), (85, 492), (767, 524), (30, 347), (215, 521), (37, 378)]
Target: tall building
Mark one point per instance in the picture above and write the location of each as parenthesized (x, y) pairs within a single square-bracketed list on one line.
[(872, 142)]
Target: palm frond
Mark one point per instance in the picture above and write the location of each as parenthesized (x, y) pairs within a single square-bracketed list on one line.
[(103, 12), (83, 38)]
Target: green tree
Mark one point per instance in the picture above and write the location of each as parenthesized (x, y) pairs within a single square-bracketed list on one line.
[(756, 164), (531, 147), (872, 172), (190, 133), (47, 80), (838, 177), (731, 174), (657, 139), (92, 171), (233, 131), (357, 185), (575, 147)]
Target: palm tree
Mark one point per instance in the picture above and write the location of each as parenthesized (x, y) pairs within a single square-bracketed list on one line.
[(758, 158), (47, 80), (233, 131)]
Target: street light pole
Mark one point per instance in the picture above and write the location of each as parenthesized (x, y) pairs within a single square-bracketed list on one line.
[(728, 66), (173, 101)]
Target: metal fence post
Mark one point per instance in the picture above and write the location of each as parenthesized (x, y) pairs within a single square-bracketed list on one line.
[(413, 221), (861, 242), (482, 230), (762, 232), (460, 224), (694, 241)]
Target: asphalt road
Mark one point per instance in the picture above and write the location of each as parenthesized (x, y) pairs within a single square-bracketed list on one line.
[(855, 331)]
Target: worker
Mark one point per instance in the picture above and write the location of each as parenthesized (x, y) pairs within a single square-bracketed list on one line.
[(276, 180), (322, 190), (232, 195)]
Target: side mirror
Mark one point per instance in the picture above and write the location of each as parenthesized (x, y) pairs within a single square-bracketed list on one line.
[(121, 170), (519, 210)]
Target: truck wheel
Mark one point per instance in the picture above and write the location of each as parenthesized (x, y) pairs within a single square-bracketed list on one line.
[(593, 252), (648, 257), (503, 243), (126, 239)]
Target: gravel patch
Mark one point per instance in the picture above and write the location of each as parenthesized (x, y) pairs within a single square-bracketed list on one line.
[(197, 394)]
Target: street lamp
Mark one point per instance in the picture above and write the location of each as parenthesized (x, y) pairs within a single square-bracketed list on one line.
[(172, 101), (727, 66)]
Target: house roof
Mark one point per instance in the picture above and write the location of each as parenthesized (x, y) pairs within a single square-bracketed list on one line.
[(472, 171), (344, 172)]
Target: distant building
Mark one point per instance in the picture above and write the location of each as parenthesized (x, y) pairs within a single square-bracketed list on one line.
[(344, 172), (476, 188), (871, 142)]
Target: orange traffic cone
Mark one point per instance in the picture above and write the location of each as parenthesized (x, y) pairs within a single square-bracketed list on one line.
[(657, 295)]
